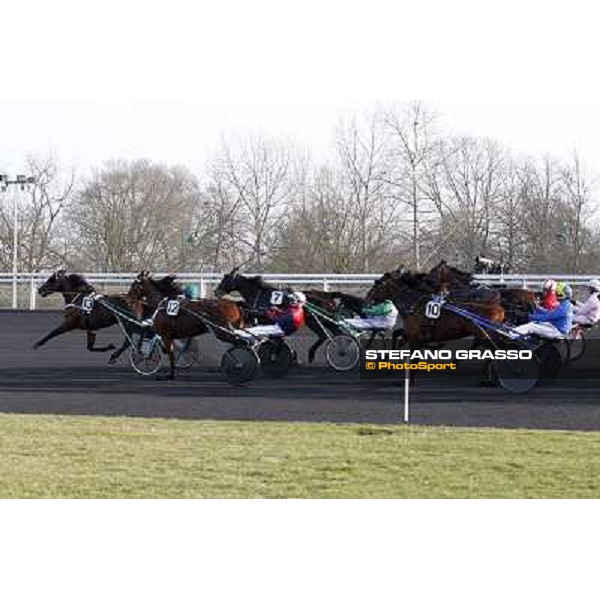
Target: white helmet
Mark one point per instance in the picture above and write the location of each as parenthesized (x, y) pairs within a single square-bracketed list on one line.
[(298, 298), (549, 285), (594, 284)]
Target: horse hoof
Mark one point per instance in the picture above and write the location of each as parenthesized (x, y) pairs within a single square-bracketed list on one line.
[(36, 346), (111, 347), (112, 360)]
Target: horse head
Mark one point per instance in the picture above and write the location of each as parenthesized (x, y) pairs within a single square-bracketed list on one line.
[(60, 282), (140, 287), (53, 284), (381, 289), (229, 283)]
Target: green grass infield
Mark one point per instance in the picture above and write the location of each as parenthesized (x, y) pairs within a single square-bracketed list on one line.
[(109, 457)]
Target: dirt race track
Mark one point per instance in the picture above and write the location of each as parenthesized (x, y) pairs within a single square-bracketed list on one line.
[(64, 378)]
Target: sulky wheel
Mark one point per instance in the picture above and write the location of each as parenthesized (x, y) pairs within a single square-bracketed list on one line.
[(516, 376), (276, 358), (146, 356), (187, 353), (239, 365), (342, 352), (551, 359)]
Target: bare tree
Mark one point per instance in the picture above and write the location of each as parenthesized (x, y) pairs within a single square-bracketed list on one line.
[(130, 215), (577, 211), (364, 167), (414, 151), (510, 232), (467, 186), (259, 173), (40, 230)]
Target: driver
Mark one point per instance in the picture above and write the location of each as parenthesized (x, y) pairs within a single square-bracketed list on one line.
[(549, 300), (588, 313), (287, 318), (377, 316), (551, 324)]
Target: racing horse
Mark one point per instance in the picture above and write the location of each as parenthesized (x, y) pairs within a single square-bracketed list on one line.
[(191, 317), (517, 303), (257, 293), (74, 289), (411, 300)]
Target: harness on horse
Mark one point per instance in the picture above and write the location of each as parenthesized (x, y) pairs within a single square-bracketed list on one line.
[(86, 305), (173, 307), (433, 309)]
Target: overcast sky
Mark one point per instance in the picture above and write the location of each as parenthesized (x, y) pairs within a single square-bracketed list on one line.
[(90, 81)]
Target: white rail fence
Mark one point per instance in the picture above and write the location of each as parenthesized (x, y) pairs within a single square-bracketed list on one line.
[(20, 290)]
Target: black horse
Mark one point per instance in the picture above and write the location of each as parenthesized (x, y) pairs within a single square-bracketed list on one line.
[(75, 290), (193, 318), (256, 293)]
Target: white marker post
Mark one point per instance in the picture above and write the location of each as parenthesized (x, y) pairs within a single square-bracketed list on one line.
[(406, 393)]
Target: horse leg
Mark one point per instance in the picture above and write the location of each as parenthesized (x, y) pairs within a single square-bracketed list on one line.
[(313, 349), (398, 333), (371, 338), (169, 347), (91, 340), (115, 355), (63, 328)]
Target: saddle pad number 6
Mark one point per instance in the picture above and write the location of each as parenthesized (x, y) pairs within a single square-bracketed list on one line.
[(277, 297), (172, 308), (87, 304), (433, 309)]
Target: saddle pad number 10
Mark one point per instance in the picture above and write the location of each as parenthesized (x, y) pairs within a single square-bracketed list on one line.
[(277, 297), (433, 309), (173, 308), (87, 303)]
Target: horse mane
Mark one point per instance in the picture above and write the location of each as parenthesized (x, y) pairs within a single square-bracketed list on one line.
[(259, 281), (79, 282), (167, 286)]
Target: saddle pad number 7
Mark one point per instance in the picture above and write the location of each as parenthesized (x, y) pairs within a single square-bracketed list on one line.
[(172, 308), (277, 297), (433, 309), (87, 304)]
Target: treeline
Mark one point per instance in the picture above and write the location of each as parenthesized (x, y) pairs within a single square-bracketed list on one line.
[(394, 189)]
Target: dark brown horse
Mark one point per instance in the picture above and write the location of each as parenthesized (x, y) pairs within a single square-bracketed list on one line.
[(257, 292), (74, 289), (517, 303), (418, 329), (194, 317)]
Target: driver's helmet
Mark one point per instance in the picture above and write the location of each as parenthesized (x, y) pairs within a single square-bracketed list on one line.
[(190, 291), (563, 290), (594, 285), (549, 286), (297, 298)]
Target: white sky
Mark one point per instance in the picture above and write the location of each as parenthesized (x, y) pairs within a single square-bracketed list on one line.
[(90, 80)]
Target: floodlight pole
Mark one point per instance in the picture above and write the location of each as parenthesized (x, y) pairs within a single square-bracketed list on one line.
[(23, 181)]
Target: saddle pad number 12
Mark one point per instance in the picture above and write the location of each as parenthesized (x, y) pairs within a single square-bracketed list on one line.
[(87, 303), (433, 309), (173, 308)]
